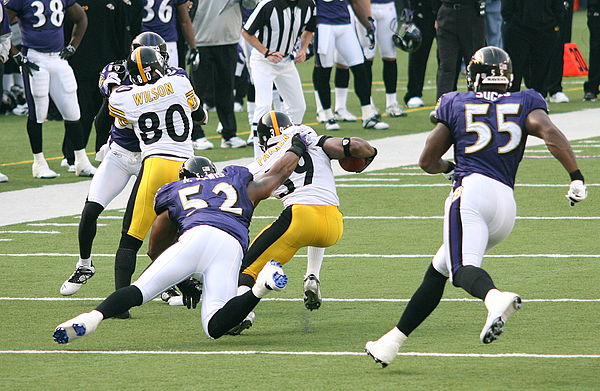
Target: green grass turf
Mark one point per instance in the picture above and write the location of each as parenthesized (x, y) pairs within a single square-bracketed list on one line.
[(567, 328), (15, 158), (551, 328)]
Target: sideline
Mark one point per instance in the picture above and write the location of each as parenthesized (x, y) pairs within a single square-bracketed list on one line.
[(53, 201)]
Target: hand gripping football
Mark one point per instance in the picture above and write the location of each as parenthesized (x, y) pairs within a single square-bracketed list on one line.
[(353, 164)]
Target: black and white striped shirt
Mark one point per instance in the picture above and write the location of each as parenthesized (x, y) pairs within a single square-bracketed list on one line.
[(279, 23)]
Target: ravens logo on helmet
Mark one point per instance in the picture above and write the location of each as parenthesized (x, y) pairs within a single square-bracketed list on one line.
[(270, 127)]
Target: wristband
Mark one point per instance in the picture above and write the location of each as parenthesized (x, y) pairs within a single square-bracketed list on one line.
[(451, 167), (576, 175), (346, 145), (267, 53)]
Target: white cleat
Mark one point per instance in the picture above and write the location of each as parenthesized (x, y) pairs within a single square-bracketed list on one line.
[(238, 107), (41, 170), (202, 144), (321, 116), (270, 278), (385, 349), (234, 142), (79, 326), (559, 97), (415, 102), (250, 140), (312, 292), (332, 124), (85, 170), (395, 110), (501, 306), (375, 123), (69, 167), (342, 114), (77, 279), (3, 178)]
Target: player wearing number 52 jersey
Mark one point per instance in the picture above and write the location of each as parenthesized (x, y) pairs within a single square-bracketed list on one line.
[(488, 127), (311, 215), (159, 109)]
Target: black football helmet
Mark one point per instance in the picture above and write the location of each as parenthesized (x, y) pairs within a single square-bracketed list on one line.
[(270, 127), (145, 65), (490, 69), (197, 167), (152, 40), (407, 36)]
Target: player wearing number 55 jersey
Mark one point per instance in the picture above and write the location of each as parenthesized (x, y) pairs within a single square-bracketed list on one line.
[(159, 109), (488, 128), (311, 216)]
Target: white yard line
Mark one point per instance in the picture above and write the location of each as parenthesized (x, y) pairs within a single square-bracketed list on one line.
[(300, 353), (448, 185), (60, 224), (441, 217), (31, 232)]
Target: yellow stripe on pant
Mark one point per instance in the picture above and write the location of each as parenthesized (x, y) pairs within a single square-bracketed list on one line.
[(156, 172), (296, 227)]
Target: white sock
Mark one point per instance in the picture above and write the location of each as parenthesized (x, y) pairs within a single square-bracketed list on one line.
[(85, 262), (39, 158), (318, 102), (341, 98), (250, 106), (394, 336), (367, 112), (490, 297), (81, 157), (315, 260), (390, 99), (329, 114)]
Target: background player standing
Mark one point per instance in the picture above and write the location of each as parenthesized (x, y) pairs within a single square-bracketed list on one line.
[(47, 73), (488, 128)]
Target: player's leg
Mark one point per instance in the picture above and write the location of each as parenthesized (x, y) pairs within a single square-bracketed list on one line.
[(173, 54), (417, 63), (324, 44), (263, 74), (289, 85), (63, 90), (341, 82), (37, 87)]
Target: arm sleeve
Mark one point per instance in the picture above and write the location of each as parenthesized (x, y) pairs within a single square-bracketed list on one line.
[(311, 26), (258, 18), (535, 101), (443, 111)]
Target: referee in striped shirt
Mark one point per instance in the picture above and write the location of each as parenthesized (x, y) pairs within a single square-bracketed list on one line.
[(273, 30)]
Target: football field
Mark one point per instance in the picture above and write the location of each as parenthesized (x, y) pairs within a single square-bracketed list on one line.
[(392, 228)]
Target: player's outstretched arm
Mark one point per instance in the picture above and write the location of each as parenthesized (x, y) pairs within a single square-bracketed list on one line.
[(164, 234), (278, 173), (80, 23), (539, 124), (436, 145), (337, 148)]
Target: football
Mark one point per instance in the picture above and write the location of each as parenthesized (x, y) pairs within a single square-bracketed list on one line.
[(353, 164)]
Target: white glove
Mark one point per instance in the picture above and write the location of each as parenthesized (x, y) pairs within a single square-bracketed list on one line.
[(577, 192), (307, 134), (101, 154)]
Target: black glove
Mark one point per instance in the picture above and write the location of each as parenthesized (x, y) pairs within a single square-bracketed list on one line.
[(191, 289), (449, 173), (298, 146), (25, 64), (193, 59), (371, 32), (369, 160), (67, 52)]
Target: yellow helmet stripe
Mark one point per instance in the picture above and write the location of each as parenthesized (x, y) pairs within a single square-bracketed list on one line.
[(276, 129), (138, 60)]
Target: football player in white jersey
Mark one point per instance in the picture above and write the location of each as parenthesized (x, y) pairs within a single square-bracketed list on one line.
[(311, 216), (159, 109)]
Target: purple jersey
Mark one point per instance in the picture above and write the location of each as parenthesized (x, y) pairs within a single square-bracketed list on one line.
[(246, 12), (160, 17), (41, 23), (332, 12), (4, 24), (219, 200), (488, 130)]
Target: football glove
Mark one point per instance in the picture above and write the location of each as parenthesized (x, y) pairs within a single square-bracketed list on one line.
[(193, 59), (26, 65), (307, 134), (67, 52), (298, 147), (371, 32), (191, 290), (577, 192), (449, 173)]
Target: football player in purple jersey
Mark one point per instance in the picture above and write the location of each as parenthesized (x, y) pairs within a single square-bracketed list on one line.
[(46, 72), (488, 128), (161, 17), (209, 212), (4, 48)]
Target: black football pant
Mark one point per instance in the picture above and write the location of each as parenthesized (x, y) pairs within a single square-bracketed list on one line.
[(417, 61), (593, 22)]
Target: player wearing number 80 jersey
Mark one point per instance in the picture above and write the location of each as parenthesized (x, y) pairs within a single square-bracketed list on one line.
[(159, 109)]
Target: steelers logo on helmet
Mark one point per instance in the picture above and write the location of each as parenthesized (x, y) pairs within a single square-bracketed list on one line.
[(490, 69), (145, 65), (270, 128), (197, 167), (152, 40)]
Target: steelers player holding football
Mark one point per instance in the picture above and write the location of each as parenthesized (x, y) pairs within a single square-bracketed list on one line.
[(311, 215), (158, 106)]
